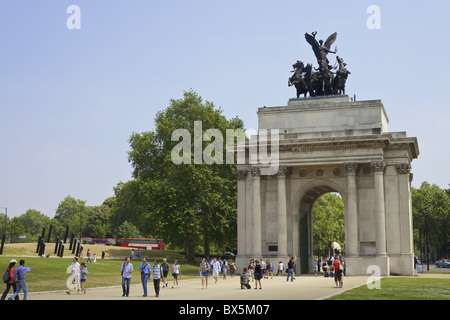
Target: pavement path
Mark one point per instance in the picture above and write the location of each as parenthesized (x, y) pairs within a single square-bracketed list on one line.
[(305, 287)]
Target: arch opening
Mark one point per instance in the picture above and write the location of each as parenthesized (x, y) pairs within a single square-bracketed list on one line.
[(321, 222)]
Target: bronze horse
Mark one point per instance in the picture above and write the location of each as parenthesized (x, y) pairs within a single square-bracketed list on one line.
[(341, 77), (297, 79)]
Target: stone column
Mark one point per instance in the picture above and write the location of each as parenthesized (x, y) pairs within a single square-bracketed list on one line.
[(352, 210), (379, 168), (406, 229), (241, 175), (256, 227), (282, 214)]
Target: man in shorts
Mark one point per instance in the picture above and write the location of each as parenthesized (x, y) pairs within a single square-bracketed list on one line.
[(216, 268), (165, 267)]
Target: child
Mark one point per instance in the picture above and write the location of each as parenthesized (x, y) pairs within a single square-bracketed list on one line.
[(245, 279), (315, 267), (83, 273)]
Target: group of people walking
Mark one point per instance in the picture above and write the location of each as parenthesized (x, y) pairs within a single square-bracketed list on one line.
[(216, 266), (159, 272), (14, 277)]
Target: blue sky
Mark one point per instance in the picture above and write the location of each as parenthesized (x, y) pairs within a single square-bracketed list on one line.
[(70, 99)]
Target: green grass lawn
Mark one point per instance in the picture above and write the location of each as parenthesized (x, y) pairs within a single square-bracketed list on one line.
[(49, 274), (401, 289)]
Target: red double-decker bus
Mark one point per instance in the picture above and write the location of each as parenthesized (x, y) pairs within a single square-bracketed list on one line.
[(99, 241), (149, 244)]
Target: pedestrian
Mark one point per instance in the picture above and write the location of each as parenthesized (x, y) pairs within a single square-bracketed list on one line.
[(204, 272), (319, 264), (157, 275), (132, 254), (325, 269), (338, 270), (83, 273), (216, 268), (245, 279), (280, 268), (269, 269), (315, 267), (232, 268), (11, 282), (74, 278), (329, 267), (165, 267), (19, 277), (138, 254), (258, 274), (95, 258), (88, 255), (145, 269), (126, 270), (290, 270), (263, 268), (251, 268), (224, 268), (176, 272)]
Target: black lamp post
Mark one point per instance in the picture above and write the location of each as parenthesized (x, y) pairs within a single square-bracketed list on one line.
[(427, 248)]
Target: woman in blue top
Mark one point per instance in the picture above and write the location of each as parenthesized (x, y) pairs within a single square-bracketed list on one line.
[(83, 273), (204, 272)]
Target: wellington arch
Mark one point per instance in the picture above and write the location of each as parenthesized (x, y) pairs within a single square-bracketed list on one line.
[(329, 144)]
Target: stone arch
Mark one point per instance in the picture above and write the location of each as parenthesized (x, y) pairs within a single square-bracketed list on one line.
[(302, 206), (319, 139)]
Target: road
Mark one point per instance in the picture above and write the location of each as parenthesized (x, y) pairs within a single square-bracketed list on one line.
[(434, 268)]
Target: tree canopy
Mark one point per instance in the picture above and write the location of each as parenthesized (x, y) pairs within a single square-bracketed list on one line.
[(188, 204)]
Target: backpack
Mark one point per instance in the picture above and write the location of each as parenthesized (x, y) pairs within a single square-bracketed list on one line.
[(6, 276)]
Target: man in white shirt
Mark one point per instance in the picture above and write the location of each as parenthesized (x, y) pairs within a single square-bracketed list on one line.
[(216, 268), (126, 270)]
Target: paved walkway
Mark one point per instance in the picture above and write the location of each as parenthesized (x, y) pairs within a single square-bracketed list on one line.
[(306, 287)]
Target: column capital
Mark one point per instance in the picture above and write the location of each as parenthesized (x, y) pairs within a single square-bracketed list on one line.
[(241, 174), (378, 166), (284, 171), (351, 167), (255, 172), (403, 168)]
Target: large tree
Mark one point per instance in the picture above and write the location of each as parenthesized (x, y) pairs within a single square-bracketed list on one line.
[(192, 203), (431, 217), (73, 213)]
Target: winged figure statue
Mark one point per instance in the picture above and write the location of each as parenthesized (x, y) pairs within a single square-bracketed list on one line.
[(322, 81), (321, 49)]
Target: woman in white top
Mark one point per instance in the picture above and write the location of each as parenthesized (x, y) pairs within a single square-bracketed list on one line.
[(176, 271)]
